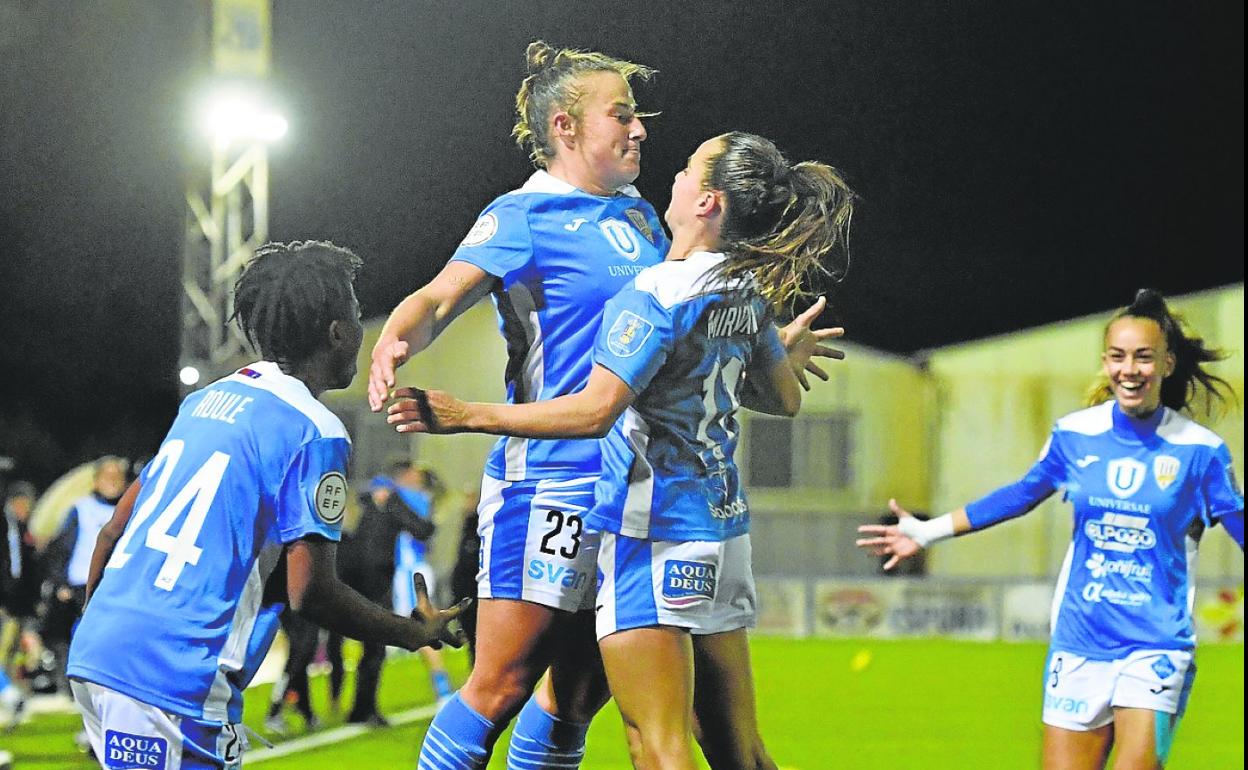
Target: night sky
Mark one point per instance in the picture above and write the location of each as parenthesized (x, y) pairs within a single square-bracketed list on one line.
[(1017, 163)]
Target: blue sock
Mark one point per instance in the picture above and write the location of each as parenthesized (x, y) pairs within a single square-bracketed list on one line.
[(441, 684), (458, 739), (540, 740)]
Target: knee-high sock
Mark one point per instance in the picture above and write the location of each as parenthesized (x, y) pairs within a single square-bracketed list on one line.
[(541, 741), (458, 739)]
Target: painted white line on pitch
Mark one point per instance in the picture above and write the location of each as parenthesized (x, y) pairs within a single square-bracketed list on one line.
[(336, 735)]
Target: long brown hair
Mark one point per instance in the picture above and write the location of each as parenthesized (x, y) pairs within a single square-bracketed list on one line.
[(783, 224)]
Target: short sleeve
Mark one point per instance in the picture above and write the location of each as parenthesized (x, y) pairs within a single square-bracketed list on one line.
[(1219, 487), (635, 337), (313, 494), (499, 242)]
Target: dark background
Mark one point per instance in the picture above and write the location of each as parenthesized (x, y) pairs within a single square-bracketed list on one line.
[(1018, 163)]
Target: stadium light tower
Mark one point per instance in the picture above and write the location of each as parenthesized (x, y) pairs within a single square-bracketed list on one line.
[(228, 202)]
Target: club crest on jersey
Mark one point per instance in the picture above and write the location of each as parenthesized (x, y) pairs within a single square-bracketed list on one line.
[(1125, 476), (629, 332), (331, 497), (482, 231), (639, 219), (622, 238), (124, 750), (687, 582), (1165, 470)]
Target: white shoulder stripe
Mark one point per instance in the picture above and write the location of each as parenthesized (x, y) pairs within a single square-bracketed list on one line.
[(1090, 422), (543, 182), (677, 281), (290, 390), (1177, 429)]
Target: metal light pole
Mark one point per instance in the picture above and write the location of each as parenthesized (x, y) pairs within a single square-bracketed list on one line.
[(227, 203)]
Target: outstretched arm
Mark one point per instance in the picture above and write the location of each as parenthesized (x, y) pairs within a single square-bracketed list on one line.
[(588, 413), (315, 592), (910, 535), (419, 319)]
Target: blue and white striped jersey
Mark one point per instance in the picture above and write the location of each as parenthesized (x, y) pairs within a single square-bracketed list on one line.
[(667, 465), (1143, 493), (559, 254), (251, 463)]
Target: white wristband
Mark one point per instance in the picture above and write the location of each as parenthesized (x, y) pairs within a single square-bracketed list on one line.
[(926, 532)]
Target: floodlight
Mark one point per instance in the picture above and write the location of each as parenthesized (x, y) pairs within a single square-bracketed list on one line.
[(189, 375)]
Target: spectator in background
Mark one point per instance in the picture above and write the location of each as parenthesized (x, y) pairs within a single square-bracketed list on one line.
[(419, 488), (366, 563), (19, 591), (467, 565), (68, 558)]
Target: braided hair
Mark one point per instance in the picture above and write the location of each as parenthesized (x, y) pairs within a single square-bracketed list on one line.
[(551, 86), (1180, 390), (289, 294), (783, 224)]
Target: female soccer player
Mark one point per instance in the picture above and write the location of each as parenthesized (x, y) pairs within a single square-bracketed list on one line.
[(677, 352), (1145, 483), (236, 515), (551, 253)]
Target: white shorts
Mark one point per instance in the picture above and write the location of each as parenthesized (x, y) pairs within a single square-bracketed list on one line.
[(403, 590), (126, 733), (534, 545), (1080, 694), (703, 585)]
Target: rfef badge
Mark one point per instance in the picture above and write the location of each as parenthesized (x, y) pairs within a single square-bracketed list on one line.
[(629, 332)]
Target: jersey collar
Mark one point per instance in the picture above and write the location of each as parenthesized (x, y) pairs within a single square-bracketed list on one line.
[(542, 182), (1134, 430)]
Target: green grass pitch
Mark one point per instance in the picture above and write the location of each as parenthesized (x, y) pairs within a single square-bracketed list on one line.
[(822, 704)]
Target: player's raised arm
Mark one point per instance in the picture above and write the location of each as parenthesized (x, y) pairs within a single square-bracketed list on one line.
[(315, 591), (419, 319)]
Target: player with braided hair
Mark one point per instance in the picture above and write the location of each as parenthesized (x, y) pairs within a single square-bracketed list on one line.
[(678, 350), (238, 514), (1145, 482)]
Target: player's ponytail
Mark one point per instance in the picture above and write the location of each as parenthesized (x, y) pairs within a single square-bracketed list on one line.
[(785, 225), (1189, 383), (551, 85)]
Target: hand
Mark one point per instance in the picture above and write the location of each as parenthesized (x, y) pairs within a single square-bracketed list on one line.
[(889, 541), (803, 343), (388, 354), (426, 411), (435, 624)]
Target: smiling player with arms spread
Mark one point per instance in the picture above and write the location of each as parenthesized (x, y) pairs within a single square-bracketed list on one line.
[(1145, 483)]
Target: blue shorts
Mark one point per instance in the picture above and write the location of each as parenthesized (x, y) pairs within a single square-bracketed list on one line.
[(704, 586), (534, 545), (125, 732)]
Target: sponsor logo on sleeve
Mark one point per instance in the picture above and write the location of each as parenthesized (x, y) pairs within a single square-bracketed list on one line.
[(125, 750), (1165, 470), (1125, 476), (629, 332), (331, 497), (687, 582), (482, 231)]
